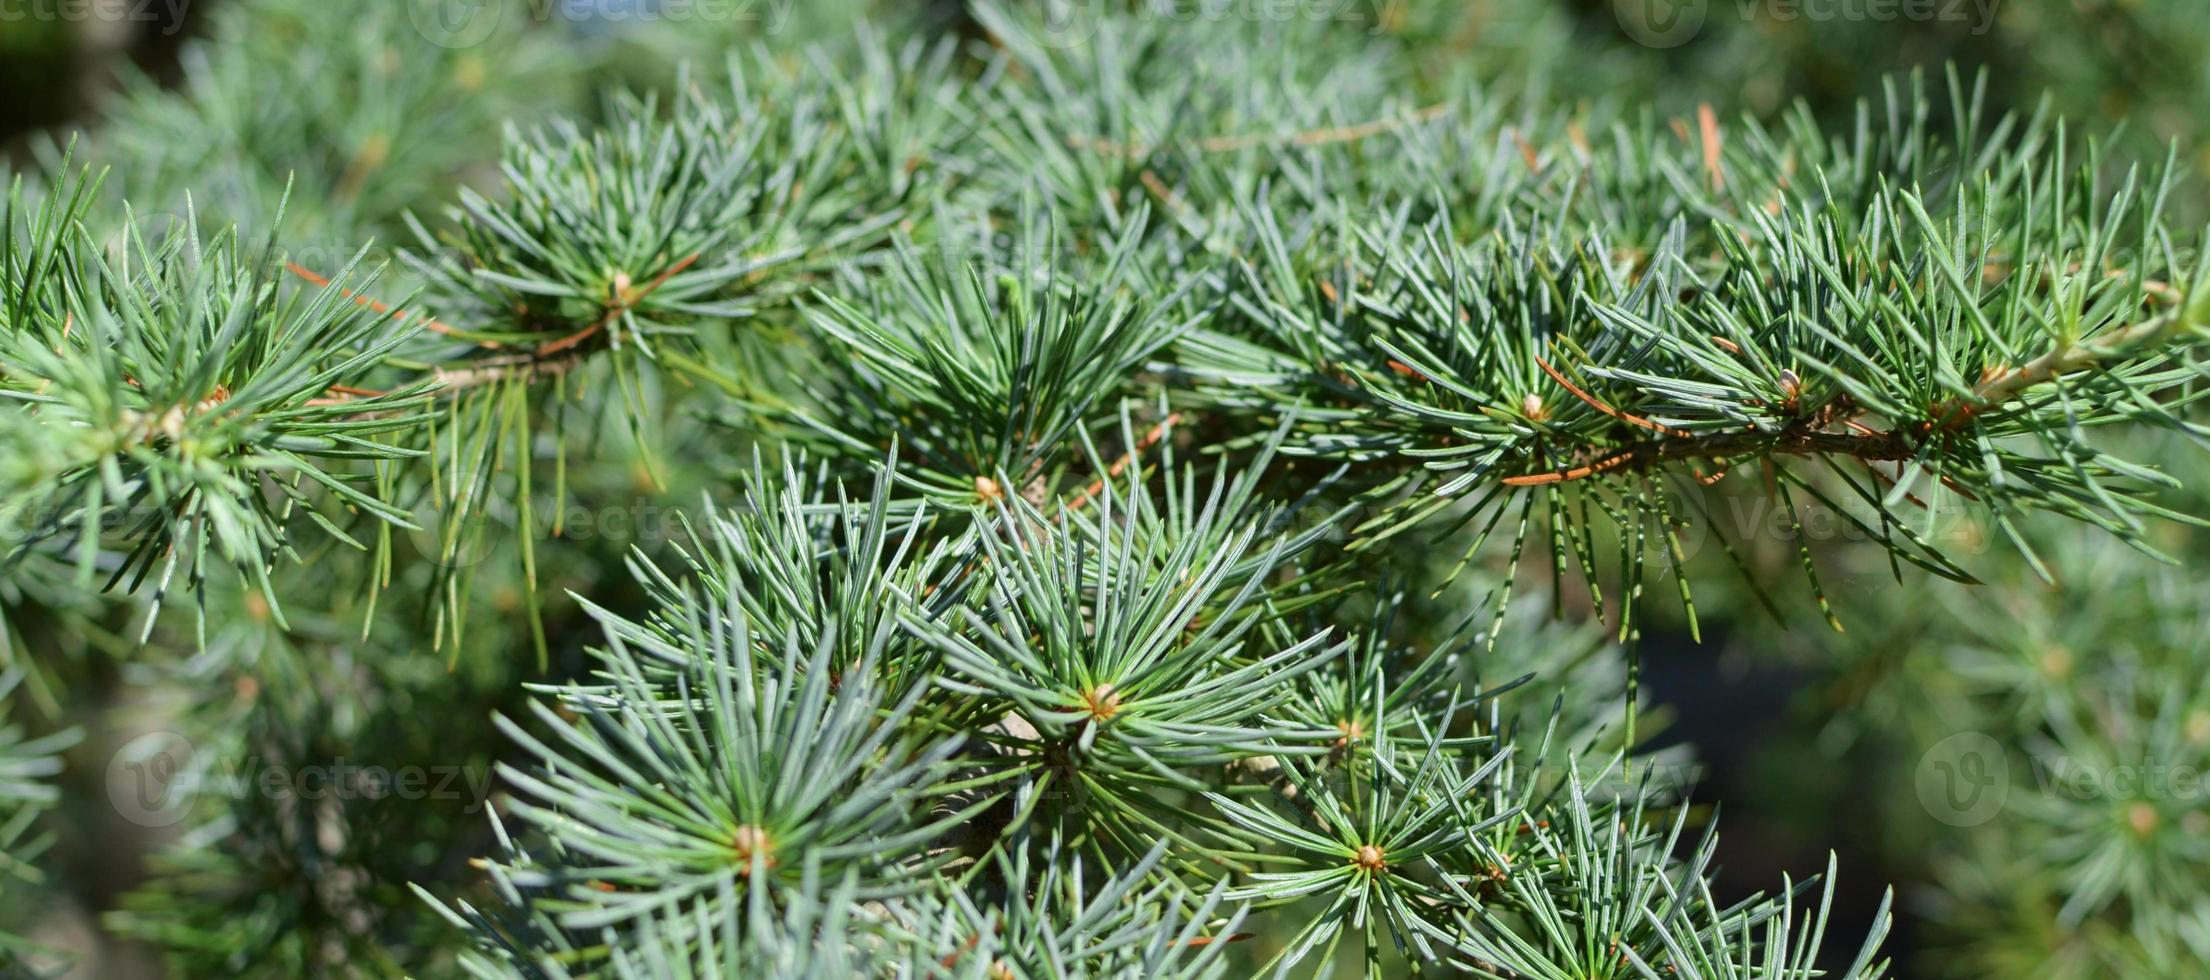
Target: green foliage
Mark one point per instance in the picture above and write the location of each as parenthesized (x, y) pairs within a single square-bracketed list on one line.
[(172, 394), (27, 766), (1230, 390), (363, 122), (987, 383)]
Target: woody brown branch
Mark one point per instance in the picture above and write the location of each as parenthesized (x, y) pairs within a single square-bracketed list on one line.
[(1871, 446), (1814, 435), (550, 359), (2002, 386)]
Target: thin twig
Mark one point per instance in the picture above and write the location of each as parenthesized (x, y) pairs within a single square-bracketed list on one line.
[(2003, 385), (624, 301), (1607, 409), (321, 281), (550, 359), (1143, 445), (1811, 436)]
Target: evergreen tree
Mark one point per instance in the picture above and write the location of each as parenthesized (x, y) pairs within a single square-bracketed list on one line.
[(1126, 489)]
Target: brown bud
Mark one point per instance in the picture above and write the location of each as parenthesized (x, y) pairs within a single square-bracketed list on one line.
[(1370, 858), (1102, 702), (748, 841)]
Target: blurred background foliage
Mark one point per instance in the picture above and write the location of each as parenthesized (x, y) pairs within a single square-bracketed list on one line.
[(1814, 738)]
